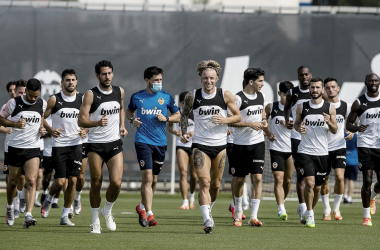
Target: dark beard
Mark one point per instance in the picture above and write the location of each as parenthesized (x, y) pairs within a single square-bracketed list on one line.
[(372, 91), (315, 97), (103, 85)]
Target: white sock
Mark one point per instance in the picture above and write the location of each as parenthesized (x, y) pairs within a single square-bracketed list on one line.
[(309, 213), (205, 209), (65, 212), (212, 204), (55, 200), (95, 215), (185, 202), (50, 198), (18, 193), (232, 203), (326, 204), (16, 203), (366, 212), (191, 197), (28, 214), (10, 206), (71, 208), (22, 194), (239, 203), (148, 213), (373, 194), (349, 198), (303, 207), (345, 196), (245, 195), (281, 209), (37, 194), (45, 192), (141, 206), (255, 203), (108, 207), (337, 201), (77, 195)]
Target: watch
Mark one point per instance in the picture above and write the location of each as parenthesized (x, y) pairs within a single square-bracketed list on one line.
[(167, 119), (131, 120)]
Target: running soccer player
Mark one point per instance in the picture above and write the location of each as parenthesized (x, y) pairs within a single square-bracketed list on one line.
[(280, 149), (314, 119), (102, 111), (152, 105), (248, 149), (67, 143), (337, 152), (184, 157), (23, 148), (209, 106), (367, 109)]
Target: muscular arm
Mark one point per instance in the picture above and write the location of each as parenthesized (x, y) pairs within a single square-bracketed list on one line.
[(176, 117), (122, 114), (3, 130), (49, 108), (266, 115), (287, 107), (333, 127), (230, 101), (350, 123), (187, 107), (298, 122), (84, 113)]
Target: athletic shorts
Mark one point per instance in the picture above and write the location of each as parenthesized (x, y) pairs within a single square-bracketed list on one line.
[(295, 143), (150, 156), (313, 165), (106, 150), (18, 156), (211, 151), (230, 159), (47, 165), (249, 159), (337, 159), (67, 161), (369, 159), (351, 172), (84, 150), (41, 159), (5, 169), (278, 160), (186, 149)]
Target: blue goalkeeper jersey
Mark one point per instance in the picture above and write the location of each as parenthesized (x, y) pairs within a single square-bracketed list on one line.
[(152, 131)]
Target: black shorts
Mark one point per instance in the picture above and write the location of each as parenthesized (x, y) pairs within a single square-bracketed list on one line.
[(5, 169), (106, 150), (337, 159), (18, 156), (150, 156), (295, 143), (67, 161), (369, 159), (84, 150), (230, 159), (313, 165), (249, 159), (186, 149), (47, 164), (278, 160), (211, 151), (351, 172), (41, 159)]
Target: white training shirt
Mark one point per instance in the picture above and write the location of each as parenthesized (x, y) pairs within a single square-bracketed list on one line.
[(337, 141), (48, 141), (281, 133)]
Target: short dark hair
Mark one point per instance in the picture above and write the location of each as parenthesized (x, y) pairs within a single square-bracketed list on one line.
[(20, 83), (101, 64), (285, 86), (33, 84), (69, 72), (151, 71), (182, 96), (9, 84), (252, 74), (368, 75), (329, 79), (302, 67), (316, 79)]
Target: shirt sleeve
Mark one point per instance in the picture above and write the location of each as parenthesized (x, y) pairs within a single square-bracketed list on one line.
[(172, 106), (8, 108), (132, 105)]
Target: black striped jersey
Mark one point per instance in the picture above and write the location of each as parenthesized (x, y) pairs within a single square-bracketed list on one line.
[(105, 103), (64, 115), (369, 114), (190, 128), (282, 134), (314, 141), (251, 109), (204, 107), (18, 108), (298, 96), (337, 141)]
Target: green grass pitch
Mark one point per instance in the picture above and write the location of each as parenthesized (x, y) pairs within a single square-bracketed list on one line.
[(179, 229)]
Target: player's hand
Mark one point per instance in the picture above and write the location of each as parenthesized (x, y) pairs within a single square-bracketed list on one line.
[(123, 131), (177, 132), (104, 121), (42, 130), (271, 137), (9, 131), (349, 136), (256, 126), (21, 123), (302, 128), (326, 117), (82, 132), (161, 117), (56, 132), (229, 132), (362, 128), (185, 138), (289, 125), (136, 122), (217, 119), (264, 124)]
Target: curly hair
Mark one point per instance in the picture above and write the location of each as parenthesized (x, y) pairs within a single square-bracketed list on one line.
[(210, 64)]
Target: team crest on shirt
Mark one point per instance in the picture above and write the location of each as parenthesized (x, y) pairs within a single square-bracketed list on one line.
[(142, 163), (274, 165), (301, 171), (161, 100), (360, 165), (233, 170), (5, 168)]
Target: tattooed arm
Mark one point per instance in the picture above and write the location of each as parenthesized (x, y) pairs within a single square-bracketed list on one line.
[(187, 107)]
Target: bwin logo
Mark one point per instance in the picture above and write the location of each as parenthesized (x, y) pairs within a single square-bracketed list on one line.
[(211, 111), (277, 121), (150, 111), (33, 119), (372, 116), (340, 120), (254, 112), (314, 123), (110, 111), (69, 115)]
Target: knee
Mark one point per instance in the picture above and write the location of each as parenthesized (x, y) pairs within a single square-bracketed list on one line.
[(215, 184), (239, 181), (339, 179), (30, 182), (183, 174), (115, 183), (309, 184), (204, 183), (96, 183), (367, 183), (12, 182)]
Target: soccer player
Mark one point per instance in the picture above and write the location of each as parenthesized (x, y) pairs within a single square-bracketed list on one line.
[(280, 149), (24, 153), (152, 105), (367, 109), (337, 152), (314, 119), (209, 106), (102, 112), (184, 157), (248, 149), (67, 143)]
